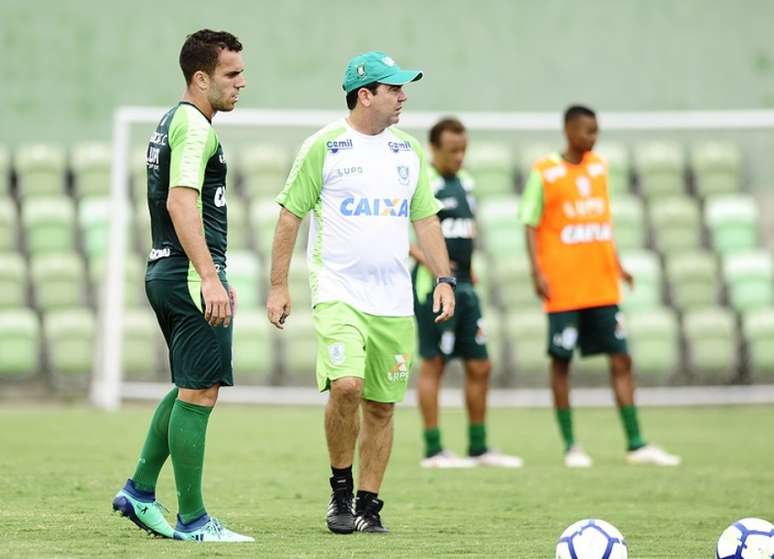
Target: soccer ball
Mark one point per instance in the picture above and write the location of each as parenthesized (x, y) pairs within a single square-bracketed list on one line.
[(591, 539), (749, 538)]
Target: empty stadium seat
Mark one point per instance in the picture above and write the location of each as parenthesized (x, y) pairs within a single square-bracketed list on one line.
[(19, 342), (140, 355), (300, 344), (138, 170), (264, 169), (142, 226), (660, 167), (263, 218), (694, 279), (501, 230), (618, 166), (529, 154), (244, 273), (134, 278), (758, 331), (628, 222), (653, 342), (592, 370), (675, 223), (732, 220), (90, 163), (748, 276), (13, 280), (5, 170), (94, 216), (514, 282), (711, 342), (238, 225), (298, 282), (495, 340), (526, 332), (254, 345), (70, 340), (49, 224), (8, 225), (646, 269), (481, 270), (716, 167), (58, 280), (491, 165), (40, 169)]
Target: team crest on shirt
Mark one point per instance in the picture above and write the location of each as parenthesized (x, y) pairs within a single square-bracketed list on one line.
[(584, 185), (403, 174), (336, 353)]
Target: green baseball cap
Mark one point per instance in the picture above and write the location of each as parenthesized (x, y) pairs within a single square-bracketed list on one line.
[(374, 66)]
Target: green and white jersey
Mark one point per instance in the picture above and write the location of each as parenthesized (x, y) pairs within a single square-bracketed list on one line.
[(363, 191), (184, 151)]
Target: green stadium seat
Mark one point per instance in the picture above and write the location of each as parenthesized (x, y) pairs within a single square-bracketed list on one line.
[(13, 280), (298, 282), (618, 166), (758, 331), (711, 343), (140, 354), (19, 342), (495, 341), (134, 279), (675, 223), (142, 226), (94, 215), (732, 220), (748, 277), (263, 218), (514, 283), (716, 167), (58, 280), (491, 165), (694, 279), (653, 343), (481, 271), (526, 334), (138, 170), (265, 169), (628, 221), (49, 224), (646, 269), (501, 230), (70, 341), (254, 343), (529, 154), (9, 237), (300, 344), (244, 273), (40, 169), (238, 226), (660, 167), (5, 170), (90, 163)]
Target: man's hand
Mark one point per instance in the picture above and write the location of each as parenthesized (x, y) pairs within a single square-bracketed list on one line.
[(628, 278), (232, 295), (278, 305), (541, 286), (443, 301), (217, 304)]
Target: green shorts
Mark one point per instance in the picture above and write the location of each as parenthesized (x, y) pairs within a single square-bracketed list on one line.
[(461, 336), (199, 355), (377, 349), (594, 330)]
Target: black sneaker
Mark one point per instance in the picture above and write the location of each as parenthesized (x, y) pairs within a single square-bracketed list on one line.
[(367, 516), (340, 516)]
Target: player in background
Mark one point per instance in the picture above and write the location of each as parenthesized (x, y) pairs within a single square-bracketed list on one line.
[(364, 182), (576, 271), (186, 284), (464, 335)]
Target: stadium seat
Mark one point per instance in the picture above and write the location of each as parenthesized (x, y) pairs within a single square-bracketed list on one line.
[(495, 340), (141, 221), (514, 282), (675, 223), (13, 280), (138, 170), (482, 271), (265, 169), (501, 230), (711, 340), (5, 171), (90, 163), (716, 167), (529, 154), (238, 225), (660, 167), (628, 221), (40, 170), (646, 269), (49, 224), (592, 370), (300, 344), (244, 273), (263, 218), (94, 216), (19, 342), (58, 280), (298, 282), (70, 340), (653, 342), (758, 331), (491, 165), (140, 355), (693, 279), (9, 237), (254, 345), (732, 220), (748, 277), (526, 334), (134, 279), (618, 166)]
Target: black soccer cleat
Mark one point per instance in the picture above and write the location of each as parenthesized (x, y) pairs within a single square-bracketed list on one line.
[(367, 517), (340, 516)]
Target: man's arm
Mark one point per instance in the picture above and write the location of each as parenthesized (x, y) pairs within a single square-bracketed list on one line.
[(417, 254), (531, 214), (433, 245), (538, 279), (278, 302), (181, 205)]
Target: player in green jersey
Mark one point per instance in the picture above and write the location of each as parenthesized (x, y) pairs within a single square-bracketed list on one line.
[(186, 284), (464, 335)]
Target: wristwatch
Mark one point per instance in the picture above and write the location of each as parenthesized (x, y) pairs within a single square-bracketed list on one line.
[(451, 280)]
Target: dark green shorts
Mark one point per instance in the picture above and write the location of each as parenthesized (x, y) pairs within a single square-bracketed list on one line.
[(199, 355), (462, 336), (594, 330)]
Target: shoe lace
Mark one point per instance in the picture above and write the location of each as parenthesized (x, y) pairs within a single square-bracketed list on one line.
[(215, 527), (342, 500)]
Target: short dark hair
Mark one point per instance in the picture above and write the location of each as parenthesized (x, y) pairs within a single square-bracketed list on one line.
[(352, 95), (446, 124), (201, 49), (575, 111)]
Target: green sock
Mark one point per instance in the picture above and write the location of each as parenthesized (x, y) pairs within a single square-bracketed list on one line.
[(187, 430), (476, 439), (632, 427), (156, 448), (432, 442), (564, 417)]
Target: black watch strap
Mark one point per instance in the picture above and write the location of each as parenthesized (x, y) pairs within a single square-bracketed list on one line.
[(451, 280)]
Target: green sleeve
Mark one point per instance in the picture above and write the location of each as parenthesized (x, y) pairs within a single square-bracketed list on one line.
[(304, 184), (531, 204), (192, 142), (423, 202)]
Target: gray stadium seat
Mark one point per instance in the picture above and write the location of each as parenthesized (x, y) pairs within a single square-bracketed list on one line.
[(70, 340), (244, 273), (9, 237), (298, 282), (716, 167), (254, 345), (58, 280), (19, 342), (749, 277), (675, 223), (646, 269), (134, 278), (90, 163), (732, 220), (142, 226), (501, 230), (495, 340), (491, 165), (5, 170), (49, 224), (238, 225), (653, 342), (694, 279), (263, 218), (40, 169), (300, 344), (94, 216), (529, 154), (514, 282), (629, 222), (140, 355), (618, 166), (660, 167), (265, 169), (758, 331), (526, 332), (711, 342), (13, 280)]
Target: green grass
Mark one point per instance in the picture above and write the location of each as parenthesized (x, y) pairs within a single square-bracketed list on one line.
[(266, 474)]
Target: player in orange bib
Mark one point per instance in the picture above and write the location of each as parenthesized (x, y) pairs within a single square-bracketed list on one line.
[(566, 212)]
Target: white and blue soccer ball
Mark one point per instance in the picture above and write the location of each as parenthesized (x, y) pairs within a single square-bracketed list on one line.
[(591, 539), (748, 538)]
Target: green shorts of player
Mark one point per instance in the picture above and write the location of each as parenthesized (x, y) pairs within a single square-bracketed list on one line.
[(377, 349), (594, 330), (199, 354)]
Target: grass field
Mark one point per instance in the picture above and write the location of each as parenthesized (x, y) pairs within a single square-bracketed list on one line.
[(266, 475)]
